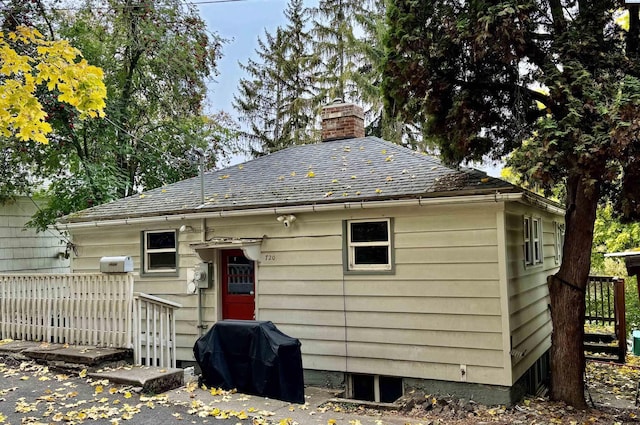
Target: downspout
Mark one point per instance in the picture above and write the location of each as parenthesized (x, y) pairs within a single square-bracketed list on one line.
[(202, 179), (201, 326), (203, 231)]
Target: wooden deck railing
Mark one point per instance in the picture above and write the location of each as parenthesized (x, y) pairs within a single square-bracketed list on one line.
[(76, 309), (88, 309), (154, 330), (605, 311)]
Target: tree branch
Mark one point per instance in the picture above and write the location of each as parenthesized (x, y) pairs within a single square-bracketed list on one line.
[(44, 15), (633, 35), (541, 36), (505, 87), (557, 15), (537, 55)]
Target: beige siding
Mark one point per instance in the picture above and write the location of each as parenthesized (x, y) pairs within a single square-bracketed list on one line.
[(530, 318), (24, 250), (94, 243), (441, 371), (440, 308)]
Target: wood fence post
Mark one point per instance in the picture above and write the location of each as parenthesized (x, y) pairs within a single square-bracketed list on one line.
[(621, 320)]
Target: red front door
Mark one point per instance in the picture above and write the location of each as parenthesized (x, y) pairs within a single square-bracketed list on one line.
[(238, 286)]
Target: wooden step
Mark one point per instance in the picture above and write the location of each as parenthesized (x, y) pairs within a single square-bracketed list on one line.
[(612, 359), (601, 338), (601, 348)]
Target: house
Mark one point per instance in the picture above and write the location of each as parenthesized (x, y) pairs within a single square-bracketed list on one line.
[(22, 249), (394, 270)]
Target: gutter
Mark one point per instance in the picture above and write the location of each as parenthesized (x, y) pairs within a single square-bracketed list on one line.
[(495, 197), (542, 203)]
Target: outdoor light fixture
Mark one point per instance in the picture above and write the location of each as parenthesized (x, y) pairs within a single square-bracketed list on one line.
[(185, 228), (287, 220)]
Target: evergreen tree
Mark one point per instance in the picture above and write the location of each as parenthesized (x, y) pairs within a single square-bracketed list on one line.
[(555, 82), (275, 100), (372, 25), (260, 96), (298, 71), (349, 38), (368, 74), (299, 65), (341, 57)]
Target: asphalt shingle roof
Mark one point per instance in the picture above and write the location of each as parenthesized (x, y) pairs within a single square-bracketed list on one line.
[(350, 170)]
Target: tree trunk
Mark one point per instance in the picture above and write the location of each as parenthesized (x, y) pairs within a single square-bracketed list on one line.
[(567, 293)]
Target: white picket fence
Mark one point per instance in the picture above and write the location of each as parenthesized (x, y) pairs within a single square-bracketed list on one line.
[(88, 309)]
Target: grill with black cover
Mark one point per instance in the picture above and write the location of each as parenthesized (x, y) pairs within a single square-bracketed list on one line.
[(253, 357)]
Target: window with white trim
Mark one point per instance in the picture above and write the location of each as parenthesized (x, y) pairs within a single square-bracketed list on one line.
[(159, 251), (559, 240), (528, 257), (369, 245), (533, 253)]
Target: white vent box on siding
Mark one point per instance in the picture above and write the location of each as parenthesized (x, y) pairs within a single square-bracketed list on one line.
[(116, 264)]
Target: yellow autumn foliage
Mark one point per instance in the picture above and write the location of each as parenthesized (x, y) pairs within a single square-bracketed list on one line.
[(55, 65)]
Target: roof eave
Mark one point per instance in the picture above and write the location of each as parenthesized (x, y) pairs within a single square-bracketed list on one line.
[(208, 208), (492, 196)]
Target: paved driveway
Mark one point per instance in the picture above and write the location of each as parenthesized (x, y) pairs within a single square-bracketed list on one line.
[(32, 394)]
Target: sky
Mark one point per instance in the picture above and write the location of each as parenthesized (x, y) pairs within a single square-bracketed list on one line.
[(241, 22)]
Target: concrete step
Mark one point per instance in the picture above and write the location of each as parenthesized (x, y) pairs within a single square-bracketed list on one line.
[(80, 355), (113, 364), (151, 379)]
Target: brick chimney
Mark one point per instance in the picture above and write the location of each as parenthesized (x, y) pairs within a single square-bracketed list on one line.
[(341, 121)]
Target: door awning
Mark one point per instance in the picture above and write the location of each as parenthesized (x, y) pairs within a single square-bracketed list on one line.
[(251, 247)]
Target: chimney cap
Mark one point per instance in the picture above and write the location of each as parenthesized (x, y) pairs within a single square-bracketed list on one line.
[(336, 101)]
